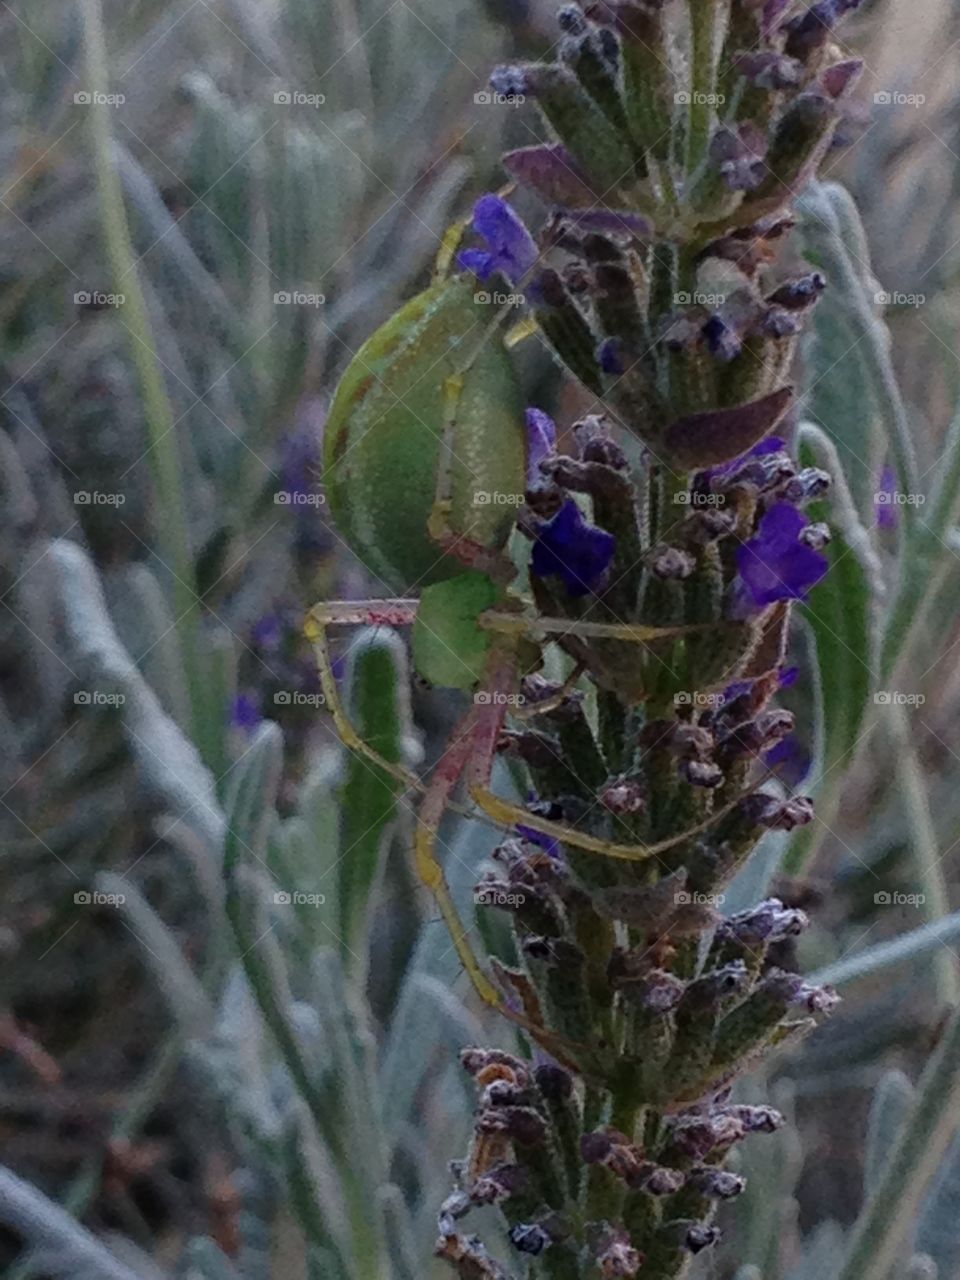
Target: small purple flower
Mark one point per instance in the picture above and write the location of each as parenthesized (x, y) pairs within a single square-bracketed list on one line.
[(883, 499), (245, 713), (777, 564), (770, 444), (722, 338), (610, 356), (511, 249), (549, 844), (541, 442), (790, 760), (577, 552)]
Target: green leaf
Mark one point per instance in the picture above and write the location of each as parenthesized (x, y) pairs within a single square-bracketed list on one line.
[(891, 1101), (449, 648), (841, 617), (379, 707)]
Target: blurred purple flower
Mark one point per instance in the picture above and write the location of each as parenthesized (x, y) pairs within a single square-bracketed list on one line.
[(777, 564), (577, 552), (541, 442), (883, 499), (268, 632), (511, 249), (245, 712)]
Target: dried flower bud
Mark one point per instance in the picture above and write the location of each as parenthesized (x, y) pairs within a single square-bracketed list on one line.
[(522, 1125), (769, 921), (672, 564), (529, 1237), (702, 773), (799, 294), (791, 988), (624, 796), (500, 1183), (699, 1237), (716, 1184)]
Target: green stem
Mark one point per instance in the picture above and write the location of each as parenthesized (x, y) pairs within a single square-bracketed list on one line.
[(929, 864), (925, 1137), (703, 35), (172, 523)]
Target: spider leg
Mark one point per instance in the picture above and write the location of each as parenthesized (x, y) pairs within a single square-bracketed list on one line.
[(509, 814), (322, 616)]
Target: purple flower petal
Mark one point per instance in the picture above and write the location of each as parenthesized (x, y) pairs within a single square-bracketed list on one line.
[(776, 564), (541, 442), (791, 760), (549, 844), (610, 356), (575, 551), (511, 250), (883, 503)]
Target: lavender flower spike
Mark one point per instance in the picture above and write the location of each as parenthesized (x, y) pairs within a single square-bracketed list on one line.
[(511, 249)]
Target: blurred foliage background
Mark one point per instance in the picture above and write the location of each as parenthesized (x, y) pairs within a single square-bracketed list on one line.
[(247, 1067)]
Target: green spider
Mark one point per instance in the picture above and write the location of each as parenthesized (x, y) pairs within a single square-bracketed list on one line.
[(428, 413)]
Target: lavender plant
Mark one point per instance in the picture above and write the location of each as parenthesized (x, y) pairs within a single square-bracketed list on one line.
[(667, 550)]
